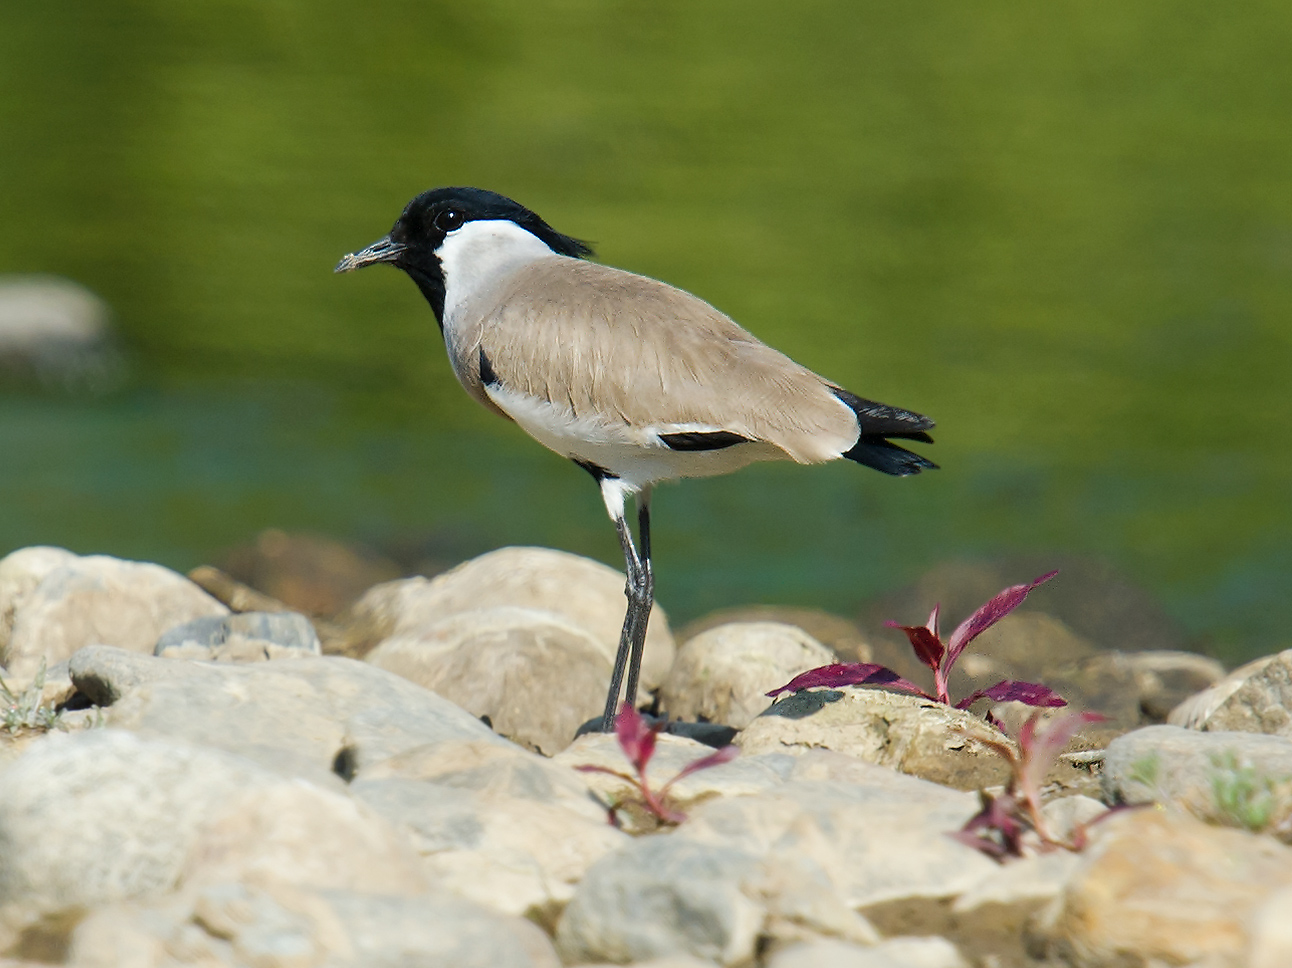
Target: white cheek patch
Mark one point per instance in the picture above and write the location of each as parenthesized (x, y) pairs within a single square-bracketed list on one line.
[(475, 256)]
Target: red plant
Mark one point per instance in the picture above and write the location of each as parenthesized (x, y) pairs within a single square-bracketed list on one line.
[(930, 649), (999, 828), (637, 740)]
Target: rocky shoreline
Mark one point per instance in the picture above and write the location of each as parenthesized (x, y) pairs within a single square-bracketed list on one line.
[(193, 774)]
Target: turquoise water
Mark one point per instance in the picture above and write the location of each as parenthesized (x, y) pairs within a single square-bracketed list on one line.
[(1063, 231)]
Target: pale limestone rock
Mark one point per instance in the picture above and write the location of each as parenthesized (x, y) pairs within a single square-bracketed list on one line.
[(103, 816), (1254, 699), (908, 733), (1188, 769), (292, 832), (585, 592), (232, 924), (301, 717), (669, 961), (1065, 817), (893, 953), (1025, 883), (662, 896), (724, 673), (501, 826), (20, 572), (1159, 887), (877, 834), (242, 637), (536, 675), (838, 634), (1270, 932), (98, 599), (1193, 712)]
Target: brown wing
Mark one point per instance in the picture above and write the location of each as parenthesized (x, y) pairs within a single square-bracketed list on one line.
[(601, 340)]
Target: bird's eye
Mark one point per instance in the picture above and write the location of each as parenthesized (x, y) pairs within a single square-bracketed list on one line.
[(449, 219)]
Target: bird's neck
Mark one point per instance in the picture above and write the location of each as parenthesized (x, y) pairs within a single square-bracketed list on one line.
[(476, 258)]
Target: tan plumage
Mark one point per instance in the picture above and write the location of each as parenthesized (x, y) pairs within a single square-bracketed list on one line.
[(603, 341)]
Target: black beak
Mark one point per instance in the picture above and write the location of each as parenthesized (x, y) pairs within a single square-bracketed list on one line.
[(383, 250)]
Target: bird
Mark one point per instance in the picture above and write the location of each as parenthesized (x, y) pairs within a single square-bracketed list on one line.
[(634, 380)]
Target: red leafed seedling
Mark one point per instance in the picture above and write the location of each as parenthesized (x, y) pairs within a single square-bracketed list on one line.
[(940, 657), (1011, 823), (637, 740)]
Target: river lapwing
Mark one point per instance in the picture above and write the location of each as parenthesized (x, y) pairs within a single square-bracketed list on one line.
[(635, 381)]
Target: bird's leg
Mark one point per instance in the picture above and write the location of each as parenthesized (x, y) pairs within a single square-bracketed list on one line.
[(644, 598), (639, 590)]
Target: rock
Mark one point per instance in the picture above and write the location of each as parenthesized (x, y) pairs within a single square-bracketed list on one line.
[(877, 834), (1023, 884), (1165, 678), (663, 895), (309, 717), (1193, 712), (511, 665), (894, 953), (290, 832), (1270, 932), (245, 637), (236, 925), (1065, 815), (56, 332), (723, 674), (1158, 887), (1237, 779), (585, 592), (838, 634), (500, 826), (907, 733), (20, 572), (1255, 699), (671, 961), (103, 816), (98, 599), (309, 573)]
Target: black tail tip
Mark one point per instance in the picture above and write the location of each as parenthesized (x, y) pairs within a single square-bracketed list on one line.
[(885, 456)]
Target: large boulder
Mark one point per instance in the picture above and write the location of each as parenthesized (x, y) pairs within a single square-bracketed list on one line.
[(1158, 887), (584, 592), (535, 675), (504, 827), (667, 896), (86, 601), (103, 816), (908, 733), (1254, 698), (723, 674), (1236, 779), (236, 925), (323, 718)]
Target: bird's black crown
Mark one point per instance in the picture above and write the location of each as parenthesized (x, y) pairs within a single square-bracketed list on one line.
[(429, 217)]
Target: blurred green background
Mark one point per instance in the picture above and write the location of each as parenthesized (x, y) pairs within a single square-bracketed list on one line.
[(1062, 230)]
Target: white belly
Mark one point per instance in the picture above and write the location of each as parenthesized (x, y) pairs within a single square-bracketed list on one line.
[(634, 454)]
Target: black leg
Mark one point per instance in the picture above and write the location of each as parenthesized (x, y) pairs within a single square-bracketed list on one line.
[(640, 592), (645, 598)]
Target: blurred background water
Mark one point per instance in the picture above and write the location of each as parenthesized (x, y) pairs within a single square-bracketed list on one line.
[(1062, 230)]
